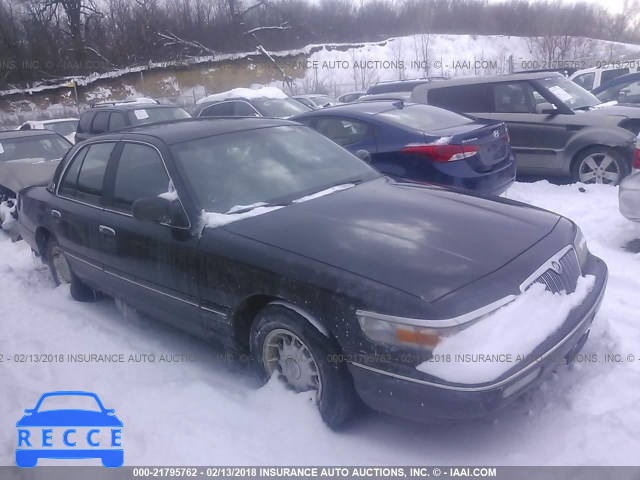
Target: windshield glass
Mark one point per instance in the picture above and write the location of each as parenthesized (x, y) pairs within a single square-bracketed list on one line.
[(143, 115), (69, 402), (45, 147), (571, 94), (278, 107), (63, 128), (270, 165)]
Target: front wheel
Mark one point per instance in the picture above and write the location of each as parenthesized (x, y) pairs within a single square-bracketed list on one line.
[(285, 344), (599, 165), (62, 274)]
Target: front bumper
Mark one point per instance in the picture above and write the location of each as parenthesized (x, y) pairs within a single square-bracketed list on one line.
[(410, 394), (629, 197)]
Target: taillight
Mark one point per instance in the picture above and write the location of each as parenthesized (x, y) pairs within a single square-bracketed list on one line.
[(442, 153)]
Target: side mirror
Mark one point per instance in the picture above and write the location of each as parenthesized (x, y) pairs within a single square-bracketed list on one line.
[(152, 209), (364, 155), (546, 108)]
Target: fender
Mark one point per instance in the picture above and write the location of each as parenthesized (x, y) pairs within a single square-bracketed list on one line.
[(310, 318), (613, 137)]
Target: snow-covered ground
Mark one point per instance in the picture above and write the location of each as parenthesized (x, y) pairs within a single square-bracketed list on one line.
[(210, 412)]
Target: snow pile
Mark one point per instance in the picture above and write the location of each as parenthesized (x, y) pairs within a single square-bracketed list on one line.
[(249, 93), (500, 337), (322, 193), (209, 411)]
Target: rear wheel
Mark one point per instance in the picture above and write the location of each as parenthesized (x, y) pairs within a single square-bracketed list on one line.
[(285, 344), (62, 274), (599, 165)]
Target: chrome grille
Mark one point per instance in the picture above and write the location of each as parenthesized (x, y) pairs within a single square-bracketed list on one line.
[(565, 281)]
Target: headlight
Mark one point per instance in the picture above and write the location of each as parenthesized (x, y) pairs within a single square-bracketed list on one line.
[(580, 244), (420, 334)]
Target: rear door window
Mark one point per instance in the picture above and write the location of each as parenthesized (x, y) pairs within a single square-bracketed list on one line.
[(343, 131), (84, 178), (463, 98), (243, 109), (116, 121), (100, 123)]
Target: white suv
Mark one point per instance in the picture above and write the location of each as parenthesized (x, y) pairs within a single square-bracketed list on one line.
[(590, 78)]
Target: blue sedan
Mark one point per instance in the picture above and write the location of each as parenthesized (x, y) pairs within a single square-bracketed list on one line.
[(421, 143), (623, 89)]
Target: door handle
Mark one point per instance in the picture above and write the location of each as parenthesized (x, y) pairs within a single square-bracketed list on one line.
[(56, 214), (104, 230)]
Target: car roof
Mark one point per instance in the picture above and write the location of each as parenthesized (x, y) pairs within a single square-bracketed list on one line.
[(178, 131), (127, 106), (363, 109), (11, 134), (57, 120), (311, 95), (615, 81)]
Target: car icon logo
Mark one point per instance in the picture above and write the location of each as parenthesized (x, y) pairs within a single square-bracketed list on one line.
[(496, 134), (70, 433), (556, 267)]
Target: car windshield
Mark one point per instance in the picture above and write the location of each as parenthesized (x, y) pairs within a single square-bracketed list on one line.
[(267, 165), (63, 128), (45, 147), (69, 402), (278, 107), (424, 118), (142, 115), (571, 94)]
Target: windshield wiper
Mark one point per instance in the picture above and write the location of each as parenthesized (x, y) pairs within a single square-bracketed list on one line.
[(248, 208)]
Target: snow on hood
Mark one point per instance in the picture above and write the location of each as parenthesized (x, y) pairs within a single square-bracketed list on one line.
[(212, 219), (264, 92), (537, 312)]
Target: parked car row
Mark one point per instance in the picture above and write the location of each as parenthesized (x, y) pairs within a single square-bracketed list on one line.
[(329, 245)]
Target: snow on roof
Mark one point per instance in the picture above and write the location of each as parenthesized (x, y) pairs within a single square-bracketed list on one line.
[(264, 92)]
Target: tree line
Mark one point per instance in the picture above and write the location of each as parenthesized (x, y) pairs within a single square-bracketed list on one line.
[(49, 39)]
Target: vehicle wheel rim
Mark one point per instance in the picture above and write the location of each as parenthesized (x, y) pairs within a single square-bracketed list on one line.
[(61, 265), (287, 354), (599, 168)]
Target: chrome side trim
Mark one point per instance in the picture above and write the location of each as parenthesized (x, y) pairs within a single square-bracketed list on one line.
[(546, 266), (310, 318), (82, 260), (492, 386), (152, 289), (213, 310), (447, 322)]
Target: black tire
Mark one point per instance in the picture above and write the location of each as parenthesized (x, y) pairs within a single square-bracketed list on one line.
[(582, 166), (62, 274), (338, 402)]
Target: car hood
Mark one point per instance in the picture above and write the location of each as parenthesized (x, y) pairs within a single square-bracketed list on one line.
[(19, 174), (618, 110), (425, 241), (69, 418)]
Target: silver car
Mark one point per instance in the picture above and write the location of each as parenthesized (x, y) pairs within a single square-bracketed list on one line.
[(629, 197)]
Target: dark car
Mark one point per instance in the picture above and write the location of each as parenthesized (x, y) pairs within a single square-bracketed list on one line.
[(274, 240), (422, 143), (27, 157), (251, 106), (395, 86), (624, 89), (112, 116), (556, 127), (88, 412), (350, 97)]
